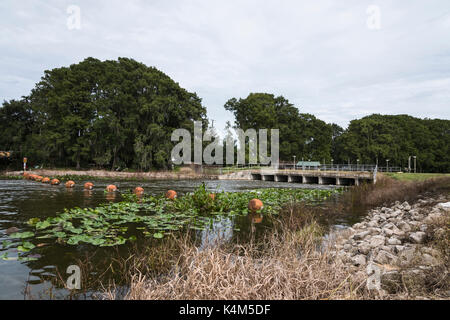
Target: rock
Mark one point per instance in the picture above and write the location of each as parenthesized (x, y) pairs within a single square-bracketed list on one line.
[(377, 241), (430, 251), (432, 217), (394, 241), (404, 226), (396, 213), (359, 260), (407, 255), (372, 224), (423, 227), (364, 248), (385, 257), (374, 231), (347, 247), (418, 237), (429, 260), (359, 225), (388, 232), (406, 206), (445, 206), (361, 235)]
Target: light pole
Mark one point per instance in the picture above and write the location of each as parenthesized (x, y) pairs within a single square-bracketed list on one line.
[(387, 165), (294, 162), (332, 164), (415, 164), (357, 164), (409, 164)]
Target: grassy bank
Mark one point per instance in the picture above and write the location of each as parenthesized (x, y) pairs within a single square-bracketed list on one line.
[(291, 261), (415, 176)]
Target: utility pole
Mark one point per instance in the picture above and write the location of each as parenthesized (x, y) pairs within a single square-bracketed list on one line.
[(387, 165), (294, 162), (415, 164)]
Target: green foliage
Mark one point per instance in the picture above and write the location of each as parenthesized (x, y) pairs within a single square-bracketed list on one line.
[(301, 134), (102, 113), (114, 224), (396, 138)]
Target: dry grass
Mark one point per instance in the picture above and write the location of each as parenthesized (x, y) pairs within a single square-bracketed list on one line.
[(287, 264), (291, 261)]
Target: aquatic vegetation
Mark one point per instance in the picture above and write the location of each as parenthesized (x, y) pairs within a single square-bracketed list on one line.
[(114, 224)]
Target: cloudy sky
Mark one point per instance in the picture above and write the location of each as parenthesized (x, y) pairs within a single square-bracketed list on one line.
[(338, 60)]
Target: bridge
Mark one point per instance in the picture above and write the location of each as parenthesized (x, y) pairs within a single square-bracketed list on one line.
[(339, 178)]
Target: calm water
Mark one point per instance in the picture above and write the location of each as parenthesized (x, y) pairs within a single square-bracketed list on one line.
[(21, 200)]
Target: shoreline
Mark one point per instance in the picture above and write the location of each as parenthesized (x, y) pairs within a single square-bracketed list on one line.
[(398, 246), (104, 174)]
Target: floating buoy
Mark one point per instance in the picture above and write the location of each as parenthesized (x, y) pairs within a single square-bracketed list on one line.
[(55, 182), (255, 205), (70, 184), (111, 196), (171, 194), (139, 191), (212, 196), (255, 217), (39, 178), (46, 180), (88, 185), (111, 188)]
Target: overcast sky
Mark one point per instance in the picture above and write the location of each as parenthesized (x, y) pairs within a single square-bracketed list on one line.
[(338, 60)]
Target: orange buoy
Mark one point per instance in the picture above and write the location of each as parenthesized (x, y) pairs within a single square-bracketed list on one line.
[(212, 196), (111, 188), (88, 185), (39, 178), (171, 194), (255, 217), (55, 182), (46, 180), (111, 196), (255, 205), (70, 184), (139, 191)]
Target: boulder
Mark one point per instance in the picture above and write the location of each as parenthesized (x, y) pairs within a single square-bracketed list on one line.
[(418, 237), (377, 241), (359, 260)]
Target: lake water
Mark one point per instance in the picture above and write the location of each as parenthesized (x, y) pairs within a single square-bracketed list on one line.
[(21, 200)]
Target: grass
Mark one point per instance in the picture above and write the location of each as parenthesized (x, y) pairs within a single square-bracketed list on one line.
[(290, 262), (415, 176)]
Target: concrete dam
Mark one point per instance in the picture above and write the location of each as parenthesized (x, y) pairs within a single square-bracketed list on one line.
[(339, 178)]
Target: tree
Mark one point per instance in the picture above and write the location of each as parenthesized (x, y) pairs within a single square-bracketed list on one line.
[(106, 113), (302, 135)]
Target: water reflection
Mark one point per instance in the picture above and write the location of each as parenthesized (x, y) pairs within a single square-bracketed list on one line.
[(21, 200)]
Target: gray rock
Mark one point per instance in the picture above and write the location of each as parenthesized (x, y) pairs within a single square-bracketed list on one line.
[(407, 255), (429, 260), (394, 241), (364, 248), (406, 206), (372, 224), (388, 232), (385, 257), (359, 260), (402, 225), (360, 235), (377, 241), (418, 237), (347, 247)]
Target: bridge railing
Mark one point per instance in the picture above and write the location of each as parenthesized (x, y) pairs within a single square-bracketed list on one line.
[(291, 166)]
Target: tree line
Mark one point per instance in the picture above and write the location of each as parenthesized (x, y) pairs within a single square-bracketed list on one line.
[(120, 114)]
